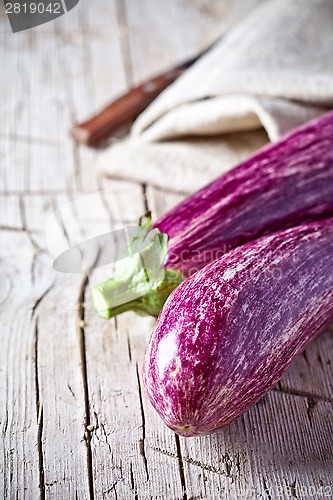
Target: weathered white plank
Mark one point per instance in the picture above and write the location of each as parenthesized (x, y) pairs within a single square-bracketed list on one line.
[(10, 213), (104, 79), (41, 97), (33, 167), (34, 415), (124, 436), (159, 35), (124, 199), (312, 372), (18, 413), (35, 209), (62, 392), (124, 432), (271, 446)]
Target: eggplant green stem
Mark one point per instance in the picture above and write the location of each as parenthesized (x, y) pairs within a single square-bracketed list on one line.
[(140, 282)]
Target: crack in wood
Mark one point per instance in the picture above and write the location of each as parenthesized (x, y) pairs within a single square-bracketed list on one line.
[(207, 467), (33, 265), (118, 468), (75, 150), (132, 483), (19, 230), (61, 223), (145, 197), (115, 321), (197, 463), (302, 394), (96, 425), (129, 349), (38, 251), (181, 466), (305, 356), (40, 299), (77, 165), (142, 440), (292, 488), (84, 191), (36, 248), (12, 136), (112, 488), (106, 205), (39, 412), (71, 391), (311, 404), (80, 326), (164, 452), (102, 427)]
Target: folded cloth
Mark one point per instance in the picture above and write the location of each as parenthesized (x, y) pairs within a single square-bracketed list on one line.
[(272, 71), (184, 165)]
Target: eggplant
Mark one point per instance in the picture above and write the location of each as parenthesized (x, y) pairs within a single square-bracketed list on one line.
[(227, 334), (283, 185)]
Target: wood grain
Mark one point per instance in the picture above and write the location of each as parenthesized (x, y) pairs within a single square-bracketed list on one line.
[(74, 419)]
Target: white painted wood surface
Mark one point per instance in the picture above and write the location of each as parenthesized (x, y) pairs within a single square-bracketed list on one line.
[(74, 419)]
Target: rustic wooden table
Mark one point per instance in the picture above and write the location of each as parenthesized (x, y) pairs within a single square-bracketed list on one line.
[(74, 419)]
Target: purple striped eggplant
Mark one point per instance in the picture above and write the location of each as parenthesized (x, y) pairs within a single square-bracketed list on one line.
[(285, 184), (227, 334)]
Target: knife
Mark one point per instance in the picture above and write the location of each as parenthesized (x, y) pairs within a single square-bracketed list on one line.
[(130, 105), (127, 107)]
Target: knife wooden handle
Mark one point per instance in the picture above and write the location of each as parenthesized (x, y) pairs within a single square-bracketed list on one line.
[(124, 109)]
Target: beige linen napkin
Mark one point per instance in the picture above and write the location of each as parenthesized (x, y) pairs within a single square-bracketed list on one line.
[(271, 72)]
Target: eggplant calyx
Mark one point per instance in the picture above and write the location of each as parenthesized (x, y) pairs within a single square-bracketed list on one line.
[(140, 282)]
